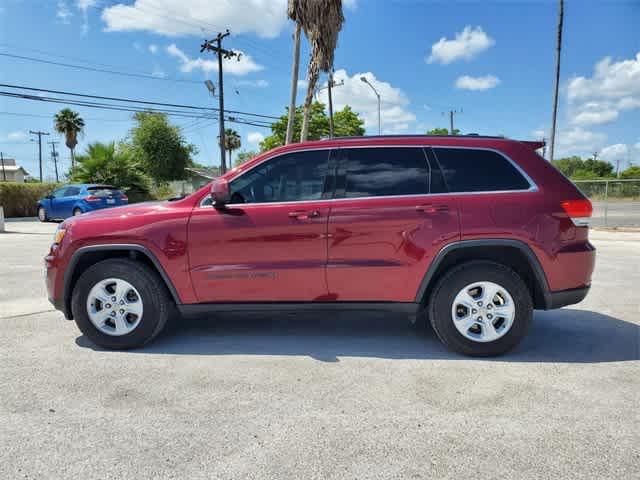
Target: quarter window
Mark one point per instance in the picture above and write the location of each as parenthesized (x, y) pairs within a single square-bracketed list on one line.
[(292, 177), (468, 170), (373, 172)]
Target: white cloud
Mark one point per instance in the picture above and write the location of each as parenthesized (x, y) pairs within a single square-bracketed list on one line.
[(233, 66), (254, 138), (395, 116), (467, 44), (17, 136), (477, 83), (538, 134), (260, 83), (617, 151), (578, 141), (158, 72), (84, 6), (613, 88), (153, 48), (63, 13), (302, 84), (265, 18)]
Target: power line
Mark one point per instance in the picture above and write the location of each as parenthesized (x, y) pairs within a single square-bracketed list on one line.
[(133, 108), (99, 70), (144, 102)]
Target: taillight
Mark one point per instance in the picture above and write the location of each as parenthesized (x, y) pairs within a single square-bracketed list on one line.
[(578, 210), (92, 198), (124, 198)]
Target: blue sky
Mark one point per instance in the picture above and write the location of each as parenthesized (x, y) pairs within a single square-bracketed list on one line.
[(491, 60)]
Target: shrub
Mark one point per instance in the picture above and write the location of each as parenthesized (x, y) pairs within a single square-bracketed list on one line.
[(19, 199)]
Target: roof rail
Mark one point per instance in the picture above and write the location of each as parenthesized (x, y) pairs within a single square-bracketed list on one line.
[(470, 135)]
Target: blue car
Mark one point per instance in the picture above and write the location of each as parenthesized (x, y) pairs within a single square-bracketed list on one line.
[(77, 199)]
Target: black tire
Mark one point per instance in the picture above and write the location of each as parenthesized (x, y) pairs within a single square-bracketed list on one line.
[(157, 302), (77, 211), (441, 302), (42, 214)]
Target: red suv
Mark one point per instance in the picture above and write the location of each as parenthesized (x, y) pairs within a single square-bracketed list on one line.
[(470, 233)]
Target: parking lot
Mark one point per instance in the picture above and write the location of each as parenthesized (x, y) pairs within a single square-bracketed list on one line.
[(319, 396)]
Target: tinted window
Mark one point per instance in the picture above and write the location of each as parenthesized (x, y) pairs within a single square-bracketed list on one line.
[(291, 177), (466, 170), (59, 193), (374, 172), (72, 191), (104, 191)]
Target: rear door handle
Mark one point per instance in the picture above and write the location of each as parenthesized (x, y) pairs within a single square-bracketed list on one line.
[(304, 214), (430, 208)]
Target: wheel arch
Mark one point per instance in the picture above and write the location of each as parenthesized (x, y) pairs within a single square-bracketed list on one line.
[(512, 253), (84, 257)]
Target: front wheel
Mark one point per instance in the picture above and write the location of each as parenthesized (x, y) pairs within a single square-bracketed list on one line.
[(120, 304), (481, 308)]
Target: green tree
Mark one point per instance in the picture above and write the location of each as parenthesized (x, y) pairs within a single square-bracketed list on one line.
[(70, 124), (160, 147), (442, 131), (346, 123), (632, 172), (113, 165), (231, 141), (599, 168), (244, 156), (568, 165)]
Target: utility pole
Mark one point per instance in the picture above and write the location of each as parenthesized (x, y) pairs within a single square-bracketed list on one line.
[(556, 82), (4, 174), (215, 46), (39, 134), (451, 114), (54, 155)]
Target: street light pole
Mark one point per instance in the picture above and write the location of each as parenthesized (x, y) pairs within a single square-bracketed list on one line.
[(364, 79)]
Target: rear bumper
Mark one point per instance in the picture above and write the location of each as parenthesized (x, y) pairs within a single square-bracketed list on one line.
[(563, 298)]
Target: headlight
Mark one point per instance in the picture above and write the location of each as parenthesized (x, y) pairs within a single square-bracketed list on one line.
[(59, 235)]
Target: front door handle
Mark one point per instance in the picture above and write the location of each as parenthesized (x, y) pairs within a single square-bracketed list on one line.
[(431, 208), (304, 214)]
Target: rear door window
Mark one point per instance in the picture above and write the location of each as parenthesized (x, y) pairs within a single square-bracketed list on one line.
[(476, 170), (104, 192), (72, 191), (384, 171)]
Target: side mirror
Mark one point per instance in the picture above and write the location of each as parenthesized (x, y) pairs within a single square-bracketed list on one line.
[(220, 194), (49, 197)]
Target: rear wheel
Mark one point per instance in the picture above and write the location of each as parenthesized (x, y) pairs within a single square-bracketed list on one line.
[(481, 308), (121, 304), (76, 212), (42, 214)]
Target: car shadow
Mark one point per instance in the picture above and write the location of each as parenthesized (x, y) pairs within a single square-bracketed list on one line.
[(563, 336)]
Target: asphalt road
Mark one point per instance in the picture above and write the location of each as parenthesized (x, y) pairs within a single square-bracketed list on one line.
[(319, 396), (616, 214)]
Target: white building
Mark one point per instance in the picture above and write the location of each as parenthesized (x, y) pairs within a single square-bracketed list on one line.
[(11, 172)]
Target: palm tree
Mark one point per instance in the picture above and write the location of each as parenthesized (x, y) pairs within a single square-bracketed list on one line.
[(231, 141), (69, 124), (321, 21), (557, 80)]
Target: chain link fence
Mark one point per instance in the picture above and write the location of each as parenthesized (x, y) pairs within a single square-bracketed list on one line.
[(616, 203)]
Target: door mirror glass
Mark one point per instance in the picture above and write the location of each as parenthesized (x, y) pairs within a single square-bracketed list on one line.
[(220, 195)]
